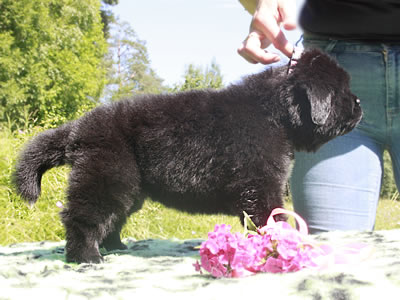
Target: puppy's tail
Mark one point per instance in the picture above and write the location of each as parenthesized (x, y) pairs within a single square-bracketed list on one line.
[(44, 152)]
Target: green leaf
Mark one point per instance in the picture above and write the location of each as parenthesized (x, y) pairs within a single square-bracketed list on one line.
[(249, 226)]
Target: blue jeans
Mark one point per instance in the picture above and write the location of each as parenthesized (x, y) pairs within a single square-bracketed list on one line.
[(337, 188)]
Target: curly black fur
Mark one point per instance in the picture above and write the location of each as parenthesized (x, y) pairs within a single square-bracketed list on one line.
[(208, 151)]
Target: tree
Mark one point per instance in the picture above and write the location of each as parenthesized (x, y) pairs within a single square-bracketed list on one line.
[(51, 59), (129, 65), (107, 15), (197, 78)]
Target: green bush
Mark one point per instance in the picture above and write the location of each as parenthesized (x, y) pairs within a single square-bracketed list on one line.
[(51, 59), (389, 188)]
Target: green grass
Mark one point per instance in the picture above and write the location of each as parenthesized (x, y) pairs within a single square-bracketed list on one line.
[(387, 215), (19, 223)]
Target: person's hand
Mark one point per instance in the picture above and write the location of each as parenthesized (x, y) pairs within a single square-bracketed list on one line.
[(265, 29)]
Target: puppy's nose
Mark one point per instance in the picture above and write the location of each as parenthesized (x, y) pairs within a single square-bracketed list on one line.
[(358, 101)]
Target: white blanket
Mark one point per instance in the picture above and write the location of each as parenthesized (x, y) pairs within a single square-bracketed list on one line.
[(165, 268)]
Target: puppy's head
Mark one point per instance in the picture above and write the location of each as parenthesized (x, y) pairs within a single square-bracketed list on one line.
[(323, 106)]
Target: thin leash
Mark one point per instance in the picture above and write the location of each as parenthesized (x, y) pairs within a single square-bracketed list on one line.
[(297, 51)]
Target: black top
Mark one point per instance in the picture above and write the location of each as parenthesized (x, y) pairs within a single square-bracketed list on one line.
[(353, 19)]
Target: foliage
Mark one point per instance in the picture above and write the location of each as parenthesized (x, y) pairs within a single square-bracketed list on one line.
[(50, 59), (128, 64), (18, 222), (197, 78), (389, 188), (107, 16)]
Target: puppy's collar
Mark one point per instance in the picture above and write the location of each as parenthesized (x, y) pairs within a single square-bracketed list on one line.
[(295, 57)]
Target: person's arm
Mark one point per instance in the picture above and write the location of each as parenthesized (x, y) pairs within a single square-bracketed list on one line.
[(265, 29)]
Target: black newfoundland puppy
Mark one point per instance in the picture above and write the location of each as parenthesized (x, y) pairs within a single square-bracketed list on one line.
[(207, 151)]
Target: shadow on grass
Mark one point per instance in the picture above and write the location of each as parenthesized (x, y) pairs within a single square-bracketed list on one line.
[(54, 251), (159, 247)]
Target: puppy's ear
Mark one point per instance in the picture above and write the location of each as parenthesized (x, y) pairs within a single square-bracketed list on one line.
[(320, 102), (314, 73)]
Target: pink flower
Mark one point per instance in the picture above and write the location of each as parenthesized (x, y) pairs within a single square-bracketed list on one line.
[(226, 254), (275, 248)]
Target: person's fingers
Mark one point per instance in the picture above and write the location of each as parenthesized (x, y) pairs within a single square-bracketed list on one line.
[(248, 58), (287, 11), (244, 53), (282, 44), (272, 31), (253, 52), (266, 29)]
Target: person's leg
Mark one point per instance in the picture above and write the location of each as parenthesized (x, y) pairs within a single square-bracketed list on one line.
[(337, 188)]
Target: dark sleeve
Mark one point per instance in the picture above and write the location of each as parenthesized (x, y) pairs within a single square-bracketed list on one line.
[(352, 19)]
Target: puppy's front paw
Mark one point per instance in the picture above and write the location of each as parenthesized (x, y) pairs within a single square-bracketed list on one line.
[(114, 246), (85, 257), (94, 259)]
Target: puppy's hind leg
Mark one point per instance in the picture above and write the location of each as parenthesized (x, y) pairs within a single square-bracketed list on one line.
[(102, 190), (113, 240)]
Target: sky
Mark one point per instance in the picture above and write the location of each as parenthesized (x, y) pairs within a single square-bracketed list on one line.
[(183, 32)]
